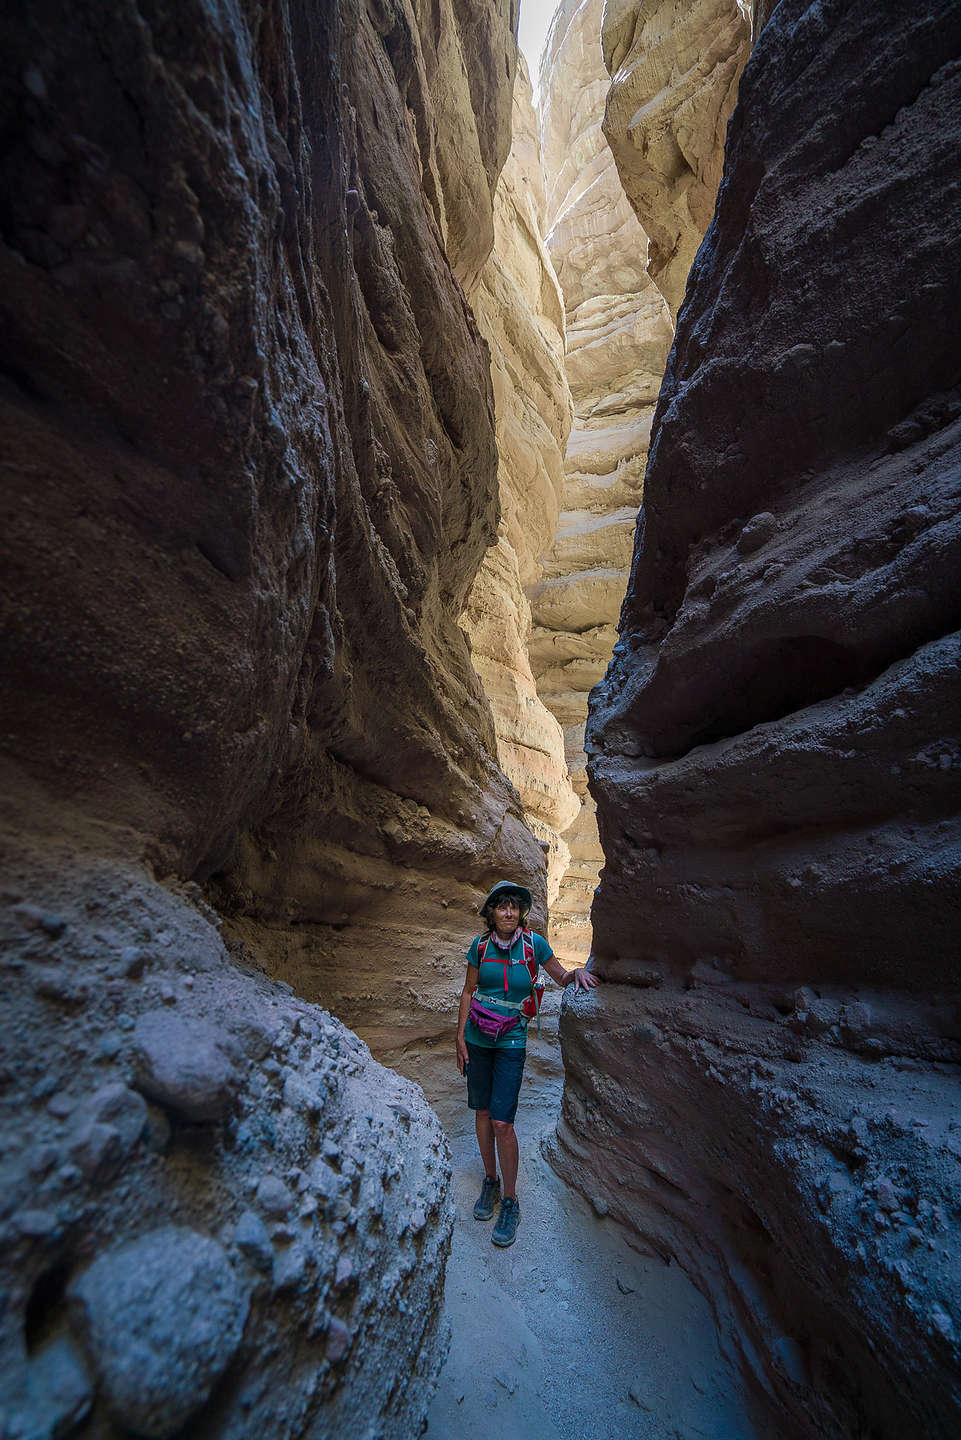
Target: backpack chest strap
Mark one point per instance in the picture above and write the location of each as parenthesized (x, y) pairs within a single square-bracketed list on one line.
[(530, 959)]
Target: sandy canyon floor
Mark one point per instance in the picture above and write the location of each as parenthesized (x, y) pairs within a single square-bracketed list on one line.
[(571, 1332)]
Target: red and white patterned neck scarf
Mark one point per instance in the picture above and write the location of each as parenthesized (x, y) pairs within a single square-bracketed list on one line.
[(505, 944)]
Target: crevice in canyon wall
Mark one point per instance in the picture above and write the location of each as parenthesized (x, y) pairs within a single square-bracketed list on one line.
[(767, 1086), (249, 477)]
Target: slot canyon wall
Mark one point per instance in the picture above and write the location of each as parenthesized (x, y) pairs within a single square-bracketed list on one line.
[(767, 1087), (674, 76), (520, 312), (249, 476), (618, 336)]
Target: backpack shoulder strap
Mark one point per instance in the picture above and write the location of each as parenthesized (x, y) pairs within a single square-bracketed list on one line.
[(530, 959)]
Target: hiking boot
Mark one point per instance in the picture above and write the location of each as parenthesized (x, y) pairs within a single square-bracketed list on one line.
[(505, 1231), (488, 1198)]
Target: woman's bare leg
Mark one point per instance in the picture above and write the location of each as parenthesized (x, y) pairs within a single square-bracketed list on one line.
[(485, 1140), (507, 1154)]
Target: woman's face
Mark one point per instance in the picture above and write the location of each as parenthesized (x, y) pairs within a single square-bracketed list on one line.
[(507, 914)]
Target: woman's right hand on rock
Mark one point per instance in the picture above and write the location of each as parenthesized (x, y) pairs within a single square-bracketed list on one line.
[(461, 1054)]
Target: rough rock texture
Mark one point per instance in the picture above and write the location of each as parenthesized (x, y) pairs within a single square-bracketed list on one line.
[(520, 313), (249, 475), (675, 71), (175, 1252), (618, 336), (251, 452), (772, 1086), (173, 1298)]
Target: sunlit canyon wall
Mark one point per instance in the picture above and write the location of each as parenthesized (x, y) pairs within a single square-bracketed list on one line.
[(619, 332), (520, 312)]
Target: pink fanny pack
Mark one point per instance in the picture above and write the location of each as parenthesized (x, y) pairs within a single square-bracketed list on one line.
[(488, 1022)]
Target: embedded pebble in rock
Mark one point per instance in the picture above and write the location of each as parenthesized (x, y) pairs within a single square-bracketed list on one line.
[(132, 961), (179, 1063), (273, 1197), (96, 1149), (757, 532), (323, 1180), (120, 1107), (290, 1266), (301, 1096), (162, 1318), (32, 917), (887, 1196), (251, 1238), (35, 1224), (338, 1340)]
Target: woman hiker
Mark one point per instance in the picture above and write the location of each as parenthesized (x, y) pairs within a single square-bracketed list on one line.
[(500, 995)]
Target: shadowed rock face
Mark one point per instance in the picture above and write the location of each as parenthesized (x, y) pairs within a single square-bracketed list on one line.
[(775, 754), (211, 1193), (249, 441), (249, 474)]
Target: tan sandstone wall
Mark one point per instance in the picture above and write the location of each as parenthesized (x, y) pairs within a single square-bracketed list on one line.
[(249, 475), (520, 313), (618, 335), (674, 76)]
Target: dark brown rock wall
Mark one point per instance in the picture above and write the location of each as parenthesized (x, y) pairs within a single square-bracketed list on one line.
[(775, 745), (249, 479), (248, 476)]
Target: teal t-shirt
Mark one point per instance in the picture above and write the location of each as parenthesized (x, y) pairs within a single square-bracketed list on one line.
[(490, 987)]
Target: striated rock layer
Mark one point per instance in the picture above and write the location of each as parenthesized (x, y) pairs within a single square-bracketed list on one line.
[(674, 72), (618, 336), (521, 315), (249, 475), (771, 1080)]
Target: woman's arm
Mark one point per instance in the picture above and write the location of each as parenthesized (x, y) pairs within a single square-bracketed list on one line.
[(470, 985), (582, 979)]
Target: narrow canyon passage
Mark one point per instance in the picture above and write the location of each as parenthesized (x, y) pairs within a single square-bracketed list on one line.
[(416, 473), (571, 1334)]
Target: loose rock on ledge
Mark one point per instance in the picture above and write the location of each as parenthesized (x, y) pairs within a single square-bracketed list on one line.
[(180, 1065)]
